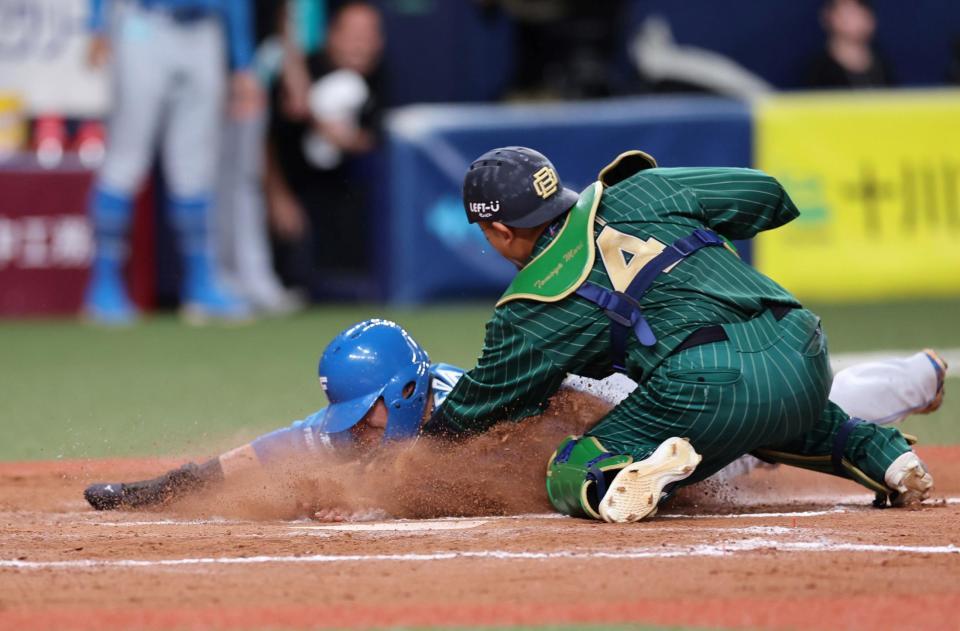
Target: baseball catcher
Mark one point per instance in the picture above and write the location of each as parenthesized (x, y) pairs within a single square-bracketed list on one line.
[(636, 275), (382, 386)]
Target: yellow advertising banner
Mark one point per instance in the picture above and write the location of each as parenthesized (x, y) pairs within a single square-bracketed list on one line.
[(876, 176)]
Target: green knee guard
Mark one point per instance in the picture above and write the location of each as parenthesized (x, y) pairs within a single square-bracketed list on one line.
[(575, 475)]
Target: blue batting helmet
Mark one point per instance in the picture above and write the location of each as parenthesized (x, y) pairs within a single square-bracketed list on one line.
[(373, 359)]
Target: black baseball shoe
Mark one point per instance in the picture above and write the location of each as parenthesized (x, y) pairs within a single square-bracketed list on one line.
[(155, 492)]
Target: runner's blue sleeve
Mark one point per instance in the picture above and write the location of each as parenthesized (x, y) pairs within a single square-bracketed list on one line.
[(299, 440), (279, 445), (239, 27), (303, 439), (97, 22)]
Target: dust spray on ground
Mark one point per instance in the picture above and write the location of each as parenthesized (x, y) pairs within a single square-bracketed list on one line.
[(499, 472)]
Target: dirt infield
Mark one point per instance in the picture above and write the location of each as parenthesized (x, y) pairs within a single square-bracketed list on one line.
[(791, 550)]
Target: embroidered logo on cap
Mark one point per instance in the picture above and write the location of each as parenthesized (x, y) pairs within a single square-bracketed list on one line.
[(485, 209), (545, 182)]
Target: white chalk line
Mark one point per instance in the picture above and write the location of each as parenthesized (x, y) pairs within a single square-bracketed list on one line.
[(312, 524), (852, 507), (658, 552), (410, 526), (808, 513), (173, 522), (853, 503), (453, 523)]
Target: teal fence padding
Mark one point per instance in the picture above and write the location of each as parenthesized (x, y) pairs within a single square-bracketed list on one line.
[(427, 250)]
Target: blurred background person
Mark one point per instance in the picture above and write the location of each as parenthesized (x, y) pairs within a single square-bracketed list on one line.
[(849, 58), (169, 83), (316, 195), (241, 235)]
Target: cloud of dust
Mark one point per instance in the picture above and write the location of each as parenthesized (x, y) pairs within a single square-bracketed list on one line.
[(499, 472)]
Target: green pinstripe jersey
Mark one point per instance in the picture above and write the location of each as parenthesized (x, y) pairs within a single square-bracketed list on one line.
[(531, 346)]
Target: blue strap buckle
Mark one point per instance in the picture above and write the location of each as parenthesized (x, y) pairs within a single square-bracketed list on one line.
[(627, 313), (621, 308), (697, 239)]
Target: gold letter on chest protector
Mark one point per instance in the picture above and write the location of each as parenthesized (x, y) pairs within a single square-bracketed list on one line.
[(625, 255)]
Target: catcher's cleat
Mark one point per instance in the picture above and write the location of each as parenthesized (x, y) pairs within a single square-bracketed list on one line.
[(637, 489), (909, 480), (940, 366), (147, 493)]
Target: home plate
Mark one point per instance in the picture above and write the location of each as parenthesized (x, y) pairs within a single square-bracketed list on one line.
[(407, 526)]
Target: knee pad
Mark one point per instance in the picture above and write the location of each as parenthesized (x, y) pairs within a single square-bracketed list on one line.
[(578, 473)]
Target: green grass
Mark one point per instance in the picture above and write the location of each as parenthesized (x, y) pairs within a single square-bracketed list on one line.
[(898, 325), (68, 390)]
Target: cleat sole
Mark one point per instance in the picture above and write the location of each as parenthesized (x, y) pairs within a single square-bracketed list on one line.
[(635, 491)]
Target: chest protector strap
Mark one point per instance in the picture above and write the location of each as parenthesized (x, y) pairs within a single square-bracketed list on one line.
[(623, 308)]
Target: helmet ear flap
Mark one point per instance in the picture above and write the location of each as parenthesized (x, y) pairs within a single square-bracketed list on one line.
[(406, 400)]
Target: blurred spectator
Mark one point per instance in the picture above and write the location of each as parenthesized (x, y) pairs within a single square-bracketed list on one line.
[(325, 113), (169, 88), (241, 236), (564, 48), (307, 20), (849, 59)]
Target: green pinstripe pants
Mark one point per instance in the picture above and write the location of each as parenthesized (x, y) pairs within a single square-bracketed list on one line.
[(764, 387)]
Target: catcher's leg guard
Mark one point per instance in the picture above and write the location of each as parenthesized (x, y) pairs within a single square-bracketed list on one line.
[(834, 463), (583, 480), (883, 493), (820, 464), (577, 475)]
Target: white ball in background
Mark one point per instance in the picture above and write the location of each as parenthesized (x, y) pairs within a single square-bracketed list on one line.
[(335, 97), (339, 96), (320, 152)]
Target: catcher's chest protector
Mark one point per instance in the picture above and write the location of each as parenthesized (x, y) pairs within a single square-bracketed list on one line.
[(563, 266)]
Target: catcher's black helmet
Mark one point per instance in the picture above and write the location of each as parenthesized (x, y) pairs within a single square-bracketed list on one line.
[(516, 186)]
